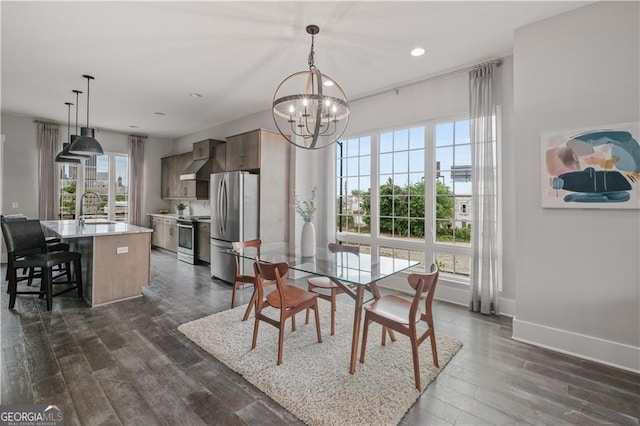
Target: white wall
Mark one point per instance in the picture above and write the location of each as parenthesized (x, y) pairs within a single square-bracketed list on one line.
[(577, 271), (20, 172)]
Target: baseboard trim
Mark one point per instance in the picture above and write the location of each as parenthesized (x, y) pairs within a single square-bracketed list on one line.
[(591, 348)]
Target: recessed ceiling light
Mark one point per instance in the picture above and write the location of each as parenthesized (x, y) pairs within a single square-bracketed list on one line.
[(195, 95), (133, 127), (159, 113), (418, 51), (328, 83)]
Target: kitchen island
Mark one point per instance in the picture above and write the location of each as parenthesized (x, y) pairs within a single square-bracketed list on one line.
[(116, 257)]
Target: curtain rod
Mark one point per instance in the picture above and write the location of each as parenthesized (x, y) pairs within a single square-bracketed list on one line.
[(496, 62), (139, 136), (46, 122)]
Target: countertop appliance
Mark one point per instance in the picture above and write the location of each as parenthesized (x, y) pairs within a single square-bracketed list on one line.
[(234, 217), (187, 250)]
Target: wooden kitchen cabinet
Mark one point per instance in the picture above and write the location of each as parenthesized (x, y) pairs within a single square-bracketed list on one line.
[(168, 173), (170, 234), (203, 245), (158, 230), (173, 187), (165, 233), (243, 151)]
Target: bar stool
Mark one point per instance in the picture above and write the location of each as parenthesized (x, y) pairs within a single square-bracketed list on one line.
[(53, 244), (27, 248)]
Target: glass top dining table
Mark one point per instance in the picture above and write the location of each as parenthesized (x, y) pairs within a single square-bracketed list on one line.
[(352, 272)]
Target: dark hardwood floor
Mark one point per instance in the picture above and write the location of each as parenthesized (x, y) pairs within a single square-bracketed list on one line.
[(126, 363)]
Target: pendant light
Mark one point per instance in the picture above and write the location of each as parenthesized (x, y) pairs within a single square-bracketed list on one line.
[(86, 144), (65, 150), (62, 155), (309, 108)]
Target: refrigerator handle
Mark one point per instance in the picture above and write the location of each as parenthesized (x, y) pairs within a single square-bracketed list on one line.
[(225, 205), (219, 207)]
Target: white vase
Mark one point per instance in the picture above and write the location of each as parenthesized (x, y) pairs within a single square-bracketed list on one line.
[(308, 240)]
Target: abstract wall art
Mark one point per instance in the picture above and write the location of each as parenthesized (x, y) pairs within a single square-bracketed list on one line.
[(597, 167)]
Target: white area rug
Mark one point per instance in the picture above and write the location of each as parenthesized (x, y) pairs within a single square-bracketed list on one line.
[(313, 382)]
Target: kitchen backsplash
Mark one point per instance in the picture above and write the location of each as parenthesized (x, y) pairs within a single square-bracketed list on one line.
[(194, 208)]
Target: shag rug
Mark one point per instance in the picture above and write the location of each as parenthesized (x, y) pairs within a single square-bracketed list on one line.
[(313, 382)]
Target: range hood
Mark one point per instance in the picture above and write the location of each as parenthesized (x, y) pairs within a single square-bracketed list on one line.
[(197, 170)]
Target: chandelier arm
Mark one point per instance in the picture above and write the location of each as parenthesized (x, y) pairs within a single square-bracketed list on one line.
[(318, 77)]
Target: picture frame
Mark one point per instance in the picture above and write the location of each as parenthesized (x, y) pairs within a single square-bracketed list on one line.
[(596, 167)]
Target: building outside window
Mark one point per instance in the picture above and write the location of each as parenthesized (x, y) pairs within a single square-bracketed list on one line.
[(419, 208)]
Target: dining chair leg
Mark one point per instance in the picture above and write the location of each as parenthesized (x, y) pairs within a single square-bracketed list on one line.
[(252, 302), (280, 342), (416, 360), (233, 295), (373, 287), (293, 323), (333, 311), (255, 333), (365, 333), (315, 308), (434, 351)]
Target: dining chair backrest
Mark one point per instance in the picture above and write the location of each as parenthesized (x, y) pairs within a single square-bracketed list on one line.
[(265, 271), (423, 283), (343, 248), (239, 245), (23, 236)]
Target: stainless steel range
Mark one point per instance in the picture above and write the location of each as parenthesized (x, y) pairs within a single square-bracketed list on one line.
[(187, 250)]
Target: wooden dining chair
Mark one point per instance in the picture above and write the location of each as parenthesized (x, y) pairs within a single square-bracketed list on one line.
[(288, 299), (403, 316), (327, 289), (244, 279)]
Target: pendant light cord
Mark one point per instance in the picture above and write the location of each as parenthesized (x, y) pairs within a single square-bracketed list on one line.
[(68, 120), (88, 80), (77, 92)]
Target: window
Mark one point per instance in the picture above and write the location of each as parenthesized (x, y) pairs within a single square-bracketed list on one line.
[(353, 184), (421, 207), (401, 192), (108, 176)]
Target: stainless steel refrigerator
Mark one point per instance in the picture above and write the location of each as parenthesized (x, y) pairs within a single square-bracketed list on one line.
[(234, 198)]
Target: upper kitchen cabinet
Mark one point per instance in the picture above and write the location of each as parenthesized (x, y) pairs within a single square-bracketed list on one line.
[(243, 151), (268, 154), (186, 176), (173, 187)]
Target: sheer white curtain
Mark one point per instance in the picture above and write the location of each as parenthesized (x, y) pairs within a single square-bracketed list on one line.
[(484, 269), (48, 171), (136, 178)]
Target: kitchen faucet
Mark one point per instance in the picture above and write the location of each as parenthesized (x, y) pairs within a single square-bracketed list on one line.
[(94, 195)]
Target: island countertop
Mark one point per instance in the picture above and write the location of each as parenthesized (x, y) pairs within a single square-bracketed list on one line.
[(71, 229)]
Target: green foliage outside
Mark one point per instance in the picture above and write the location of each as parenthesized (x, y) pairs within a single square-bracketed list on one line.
[(407, 205)]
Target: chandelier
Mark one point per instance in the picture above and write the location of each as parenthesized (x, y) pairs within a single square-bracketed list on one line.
[(309, 108)]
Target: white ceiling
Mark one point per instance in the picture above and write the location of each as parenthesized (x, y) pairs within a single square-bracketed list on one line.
[(147, 57)]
